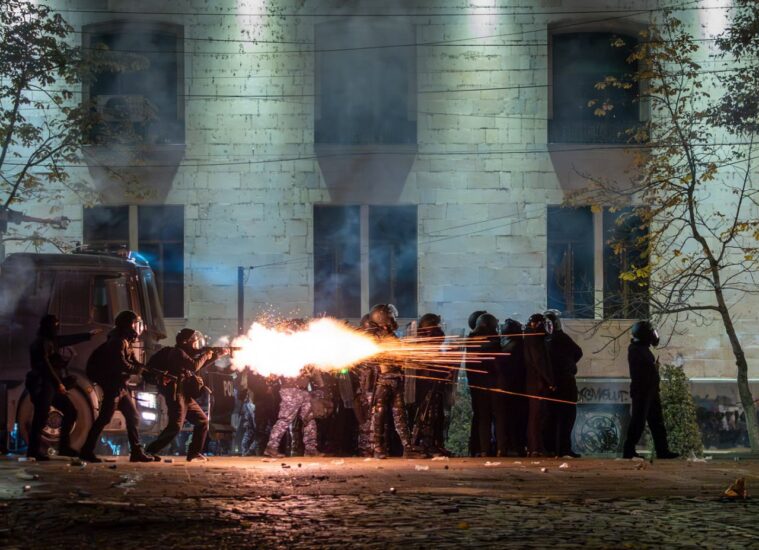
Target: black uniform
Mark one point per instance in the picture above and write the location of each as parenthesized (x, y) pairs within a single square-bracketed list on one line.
[(538, 382), (511, 378), (119, 363), (486, 404), (646, 405), (565, 354), (265, 397), (429, 424), (43, 382), (181, 406)]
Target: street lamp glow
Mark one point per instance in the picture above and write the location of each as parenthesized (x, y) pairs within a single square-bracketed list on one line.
[(714, 17)]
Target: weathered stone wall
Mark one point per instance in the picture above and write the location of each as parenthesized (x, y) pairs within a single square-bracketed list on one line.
[(482, 178)]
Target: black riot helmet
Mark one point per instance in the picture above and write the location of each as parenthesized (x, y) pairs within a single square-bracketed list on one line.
[(429, 320), (487, 325), (472, 321), (190, 340), (430, 325), (129, 324), (643, 332), (49, 326), (554, 315), (537, 324), (384, 316), (511, 328)]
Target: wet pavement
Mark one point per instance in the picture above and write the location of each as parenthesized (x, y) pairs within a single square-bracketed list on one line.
[(339, 503)]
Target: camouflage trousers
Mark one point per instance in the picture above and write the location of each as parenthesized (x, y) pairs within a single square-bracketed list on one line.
[(389, 398), (295, 403), (365, 443)]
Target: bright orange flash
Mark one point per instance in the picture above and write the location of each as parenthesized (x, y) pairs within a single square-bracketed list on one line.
[(325, 343)]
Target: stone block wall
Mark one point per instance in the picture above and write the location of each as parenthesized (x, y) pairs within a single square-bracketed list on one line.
[(482, 178)]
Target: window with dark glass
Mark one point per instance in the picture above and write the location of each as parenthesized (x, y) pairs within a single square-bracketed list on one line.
[(337, 261), (161, 243), (580, 61), (366, 83), (141, 99), (71, 301), (160, 231), (393, 257), (625, 253), (570, 270), (106, 228)]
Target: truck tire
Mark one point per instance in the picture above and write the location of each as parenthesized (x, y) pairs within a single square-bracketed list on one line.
[(51, 432)]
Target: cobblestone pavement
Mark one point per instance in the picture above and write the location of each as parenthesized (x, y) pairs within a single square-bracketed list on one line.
[(339, 503)]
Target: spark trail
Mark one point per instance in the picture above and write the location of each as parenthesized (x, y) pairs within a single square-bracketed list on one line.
[(329, 345)]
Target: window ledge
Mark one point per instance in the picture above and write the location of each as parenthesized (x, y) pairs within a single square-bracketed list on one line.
[(127, 171), (367, 148), (365, 174)]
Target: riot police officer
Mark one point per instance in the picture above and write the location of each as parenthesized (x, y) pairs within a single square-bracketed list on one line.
[(481, 376), (247, 427), (511, 379), (429, 426), (45, 384), (644, 392), (295, 404), (539, 381), (388, 398), (365, 384), (474, 439), (180, 363), (110, 366), (565, 354)]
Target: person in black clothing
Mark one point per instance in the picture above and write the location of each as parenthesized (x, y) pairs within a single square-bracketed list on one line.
[(182, 362), (487, 406), (474, 438), (564, 354), (46, 387), (644, 392), (115, 367), (539, 380), (429, 425), (510, 377)]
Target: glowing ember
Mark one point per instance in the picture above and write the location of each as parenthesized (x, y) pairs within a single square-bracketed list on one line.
[(326, 344)]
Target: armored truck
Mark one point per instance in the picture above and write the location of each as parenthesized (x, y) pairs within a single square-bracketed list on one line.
[(86, 291)]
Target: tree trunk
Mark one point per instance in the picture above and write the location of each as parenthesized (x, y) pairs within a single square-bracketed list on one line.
[(747, 401), (744, 391)]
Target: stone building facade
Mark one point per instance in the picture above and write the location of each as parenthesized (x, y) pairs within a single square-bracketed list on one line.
[(302, 138)]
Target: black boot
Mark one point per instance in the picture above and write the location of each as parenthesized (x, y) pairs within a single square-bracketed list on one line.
[(139, 455), (89, 457), (667, 455)]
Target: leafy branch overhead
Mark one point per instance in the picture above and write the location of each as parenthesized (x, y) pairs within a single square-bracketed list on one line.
[(43, 121), (691, 188)]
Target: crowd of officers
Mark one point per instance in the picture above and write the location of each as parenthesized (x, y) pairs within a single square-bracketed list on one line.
[(522, 387)]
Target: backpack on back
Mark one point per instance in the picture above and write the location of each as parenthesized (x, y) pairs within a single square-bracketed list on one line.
[(158, 365)]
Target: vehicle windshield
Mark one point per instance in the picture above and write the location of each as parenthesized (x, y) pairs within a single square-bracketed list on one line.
[(155, 317), (110, 296)]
